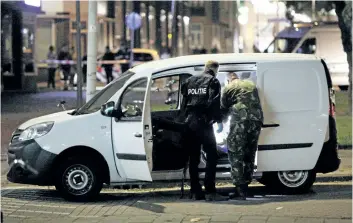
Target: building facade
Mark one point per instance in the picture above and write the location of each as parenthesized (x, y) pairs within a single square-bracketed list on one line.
[(18, 25), (212, 25), (197, 24), (58, 26)]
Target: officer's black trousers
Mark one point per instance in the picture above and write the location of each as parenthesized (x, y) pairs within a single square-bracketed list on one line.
[(204, 136), (109, 73)]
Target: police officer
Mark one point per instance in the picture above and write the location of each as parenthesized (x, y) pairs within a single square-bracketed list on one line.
[(241, 101), (200, 109), (108, 56)]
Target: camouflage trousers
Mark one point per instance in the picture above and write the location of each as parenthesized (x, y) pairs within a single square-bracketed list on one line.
[(242, 145)]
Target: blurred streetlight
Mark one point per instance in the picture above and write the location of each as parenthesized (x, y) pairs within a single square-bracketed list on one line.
[(186, 20), (163, 17), (243, 15), (243, 19)]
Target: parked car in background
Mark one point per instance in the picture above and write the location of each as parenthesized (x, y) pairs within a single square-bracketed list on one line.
[(122, 62), (320, 39)]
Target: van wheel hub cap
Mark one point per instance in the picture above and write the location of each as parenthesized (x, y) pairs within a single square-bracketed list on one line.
[(293, 179), (78, 179)]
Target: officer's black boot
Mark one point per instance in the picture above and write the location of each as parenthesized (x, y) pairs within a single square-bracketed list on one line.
[(240, 193), (197, 195)]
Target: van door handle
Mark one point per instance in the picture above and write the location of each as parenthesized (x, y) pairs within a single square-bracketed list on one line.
[(138, 135), (270, 125)]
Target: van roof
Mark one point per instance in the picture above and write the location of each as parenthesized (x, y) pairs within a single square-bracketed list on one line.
[(191, 60)]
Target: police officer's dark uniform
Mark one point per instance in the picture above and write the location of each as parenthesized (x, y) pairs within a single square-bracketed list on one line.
[(200, 109)]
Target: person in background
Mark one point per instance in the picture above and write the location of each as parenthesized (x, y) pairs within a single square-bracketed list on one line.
[(165, 54), (84, 68), (214, 50), (51, 67), (240, 100), (64, 55), (73, 53), (123, 54), (108, 57), (203, 51)]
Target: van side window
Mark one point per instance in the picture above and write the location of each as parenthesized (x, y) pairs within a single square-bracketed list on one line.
[(165, 93), (133, 100), (308, 46), (243, 75)]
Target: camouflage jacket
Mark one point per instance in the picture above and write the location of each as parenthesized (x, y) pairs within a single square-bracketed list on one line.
[(240, 99)]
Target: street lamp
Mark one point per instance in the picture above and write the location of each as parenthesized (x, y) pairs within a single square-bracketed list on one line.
[(186, 20), (243, 15), (243, 19)]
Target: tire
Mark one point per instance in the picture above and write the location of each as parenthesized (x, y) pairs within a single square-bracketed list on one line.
[(289, 182), (82, 173)]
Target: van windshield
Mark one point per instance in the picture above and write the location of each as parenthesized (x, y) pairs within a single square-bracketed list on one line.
[(105, 94), (284, 45)]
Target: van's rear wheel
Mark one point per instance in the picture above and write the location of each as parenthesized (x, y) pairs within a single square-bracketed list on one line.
[(79, 179), (292, 182)]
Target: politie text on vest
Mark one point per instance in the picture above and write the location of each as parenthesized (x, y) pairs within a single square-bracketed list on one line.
[(197, 91)]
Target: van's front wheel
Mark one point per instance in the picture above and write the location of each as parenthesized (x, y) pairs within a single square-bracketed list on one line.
[(78, 179), (292, 182)]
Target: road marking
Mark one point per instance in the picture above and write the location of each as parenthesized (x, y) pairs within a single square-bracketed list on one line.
[(61, 213), (11, 205), (5, 209), (44, 212), (50, 206), (84, 216), (17, 216)]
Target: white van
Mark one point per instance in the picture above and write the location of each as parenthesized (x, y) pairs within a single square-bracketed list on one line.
[(79, 150), (323, 40)]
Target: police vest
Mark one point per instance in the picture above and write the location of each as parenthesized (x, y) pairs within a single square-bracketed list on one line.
[(198, 91)]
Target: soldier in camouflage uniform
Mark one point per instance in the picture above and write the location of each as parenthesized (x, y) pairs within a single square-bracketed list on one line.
[(241, 101)]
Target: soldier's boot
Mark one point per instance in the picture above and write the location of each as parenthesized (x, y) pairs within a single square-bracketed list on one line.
[(215, 197), (240, 193)]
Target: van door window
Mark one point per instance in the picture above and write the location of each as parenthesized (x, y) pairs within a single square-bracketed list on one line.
[(133, 99), (105, 94), (165, 93), (248, 75), (308, 47)]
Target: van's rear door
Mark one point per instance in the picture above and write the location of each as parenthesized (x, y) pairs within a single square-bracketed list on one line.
[(295, 104)]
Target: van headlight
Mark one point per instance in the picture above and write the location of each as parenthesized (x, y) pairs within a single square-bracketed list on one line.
[(36, 131)]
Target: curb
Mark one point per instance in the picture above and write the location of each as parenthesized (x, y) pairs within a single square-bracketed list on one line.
[(341, 178), (345, 147)]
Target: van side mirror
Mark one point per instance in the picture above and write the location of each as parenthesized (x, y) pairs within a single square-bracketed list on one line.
[(108, 109)]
